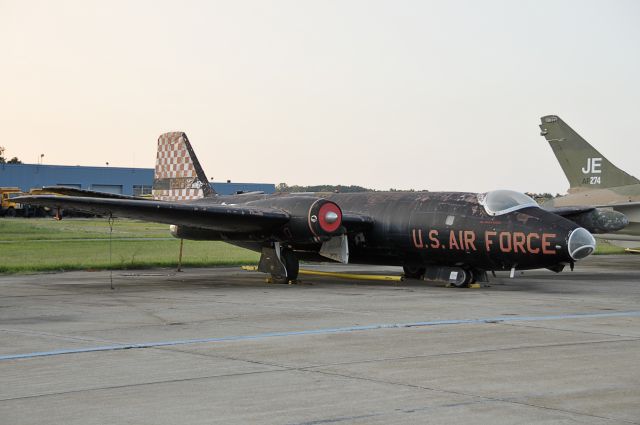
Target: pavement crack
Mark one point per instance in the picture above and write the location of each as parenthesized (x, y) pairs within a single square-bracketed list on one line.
[(139, 384), (465, 352), (477, 396), (578, 331)]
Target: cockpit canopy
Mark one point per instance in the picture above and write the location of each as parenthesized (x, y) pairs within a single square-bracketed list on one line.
[(498, 202)]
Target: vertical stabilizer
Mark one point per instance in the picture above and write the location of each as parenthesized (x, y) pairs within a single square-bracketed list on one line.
[(583, 165), (178, 174)]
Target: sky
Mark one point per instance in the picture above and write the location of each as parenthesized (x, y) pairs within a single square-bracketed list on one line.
[(383, 94)]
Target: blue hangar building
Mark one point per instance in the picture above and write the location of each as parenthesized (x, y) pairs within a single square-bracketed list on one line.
[(120, 180)]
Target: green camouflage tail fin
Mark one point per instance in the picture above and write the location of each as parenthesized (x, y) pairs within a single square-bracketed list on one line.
[(583, 165)]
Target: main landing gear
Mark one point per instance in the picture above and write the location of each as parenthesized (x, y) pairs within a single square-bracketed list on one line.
[(463, 278), (280, 262), (459, 277), (414, 272)]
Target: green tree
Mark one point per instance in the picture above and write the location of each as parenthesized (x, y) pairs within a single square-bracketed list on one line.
[(282, 187), (13, 160)]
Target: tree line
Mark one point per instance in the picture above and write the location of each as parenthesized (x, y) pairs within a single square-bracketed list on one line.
[(285, 188), (3, 160)]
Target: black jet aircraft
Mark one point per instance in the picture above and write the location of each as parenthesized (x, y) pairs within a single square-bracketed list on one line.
[(457, 236)]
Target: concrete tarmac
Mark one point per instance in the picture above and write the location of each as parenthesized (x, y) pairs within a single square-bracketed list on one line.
[(219, 346)]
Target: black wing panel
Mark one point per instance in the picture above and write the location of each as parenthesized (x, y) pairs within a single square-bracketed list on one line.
[(223, 218), (73, 191)]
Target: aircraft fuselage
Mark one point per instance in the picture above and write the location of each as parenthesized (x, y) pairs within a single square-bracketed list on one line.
[(423, 228)]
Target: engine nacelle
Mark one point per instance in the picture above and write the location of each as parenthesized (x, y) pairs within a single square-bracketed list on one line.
[(312, 218), (598, 220)]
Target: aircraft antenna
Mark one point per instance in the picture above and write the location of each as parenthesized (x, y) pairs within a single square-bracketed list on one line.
[(179, 269), (110, 250)]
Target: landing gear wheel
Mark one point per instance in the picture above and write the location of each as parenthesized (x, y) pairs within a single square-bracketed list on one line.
[(292, 265), (465, 277), (414, 272), (474, 276)]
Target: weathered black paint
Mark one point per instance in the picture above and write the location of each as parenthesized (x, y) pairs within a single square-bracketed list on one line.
[(388, 238), (392, 228)]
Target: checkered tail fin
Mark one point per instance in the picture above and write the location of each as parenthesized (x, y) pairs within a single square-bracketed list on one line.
[(178, 175)]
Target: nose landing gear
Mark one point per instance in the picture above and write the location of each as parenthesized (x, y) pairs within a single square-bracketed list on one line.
[(459, 277)]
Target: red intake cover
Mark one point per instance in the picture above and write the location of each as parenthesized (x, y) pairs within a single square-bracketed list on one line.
[(319, 223)]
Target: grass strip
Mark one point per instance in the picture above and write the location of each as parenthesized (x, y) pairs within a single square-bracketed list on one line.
[(83, 244)]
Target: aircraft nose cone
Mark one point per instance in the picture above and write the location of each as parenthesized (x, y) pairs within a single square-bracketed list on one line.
[(331, 217), (581, 243)]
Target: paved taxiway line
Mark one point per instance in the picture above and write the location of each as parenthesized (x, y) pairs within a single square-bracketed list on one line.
[(500, 319)]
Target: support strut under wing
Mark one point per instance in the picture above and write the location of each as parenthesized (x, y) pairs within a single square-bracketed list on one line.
[(271, 263)]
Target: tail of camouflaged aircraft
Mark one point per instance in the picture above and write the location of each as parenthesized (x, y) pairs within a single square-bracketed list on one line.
[(584, 166)]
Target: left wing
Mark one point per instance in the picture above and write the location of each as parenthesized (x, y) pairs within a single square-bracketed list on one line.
[(223, 218), (74, 191)]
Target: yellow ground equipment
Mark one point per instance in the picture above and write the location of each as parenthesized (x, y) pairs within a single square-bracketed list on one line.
[(8, 207)]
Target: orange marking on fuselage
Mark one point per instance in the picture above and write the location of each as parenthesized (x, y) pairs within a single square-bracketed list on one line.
[(488, 242), (505, 241), (435, 243), (469, 240), (417, 242), (453, 243), (546, 244), (519, 240), (530, 248)]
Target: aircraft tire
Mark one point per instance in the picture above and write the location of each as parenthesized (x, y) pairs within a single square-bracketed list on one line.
[(466, 279), (291, 263), (474, 276), (414, 272)]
